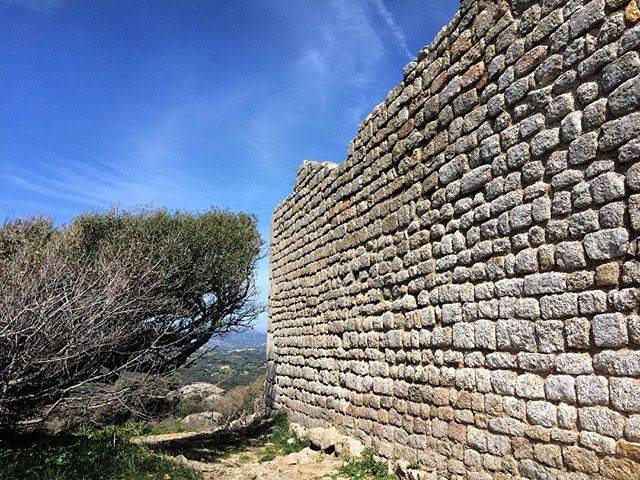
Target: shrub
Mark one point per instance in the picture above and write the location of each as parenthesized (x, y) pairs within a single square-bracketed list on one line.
[(240, 402), (152, 398), (366, 468), (92, 311)]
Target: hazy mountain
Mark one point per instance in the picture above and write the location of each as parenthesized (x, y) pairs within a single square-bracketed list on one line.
[(238, 340)]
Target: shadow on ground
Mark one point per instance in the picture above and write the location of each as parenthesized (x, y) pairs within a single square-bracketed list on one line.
[(210, 447)]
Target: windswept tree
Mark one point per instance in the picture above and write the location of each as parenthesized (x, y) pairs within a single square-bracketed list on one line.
[(91, 310)]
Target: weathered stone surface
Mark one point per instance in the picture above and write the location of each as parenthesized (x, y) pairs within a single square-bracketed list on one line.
[(544, 283), (606, 244), (601, 420), (633, 177), (607, 274), (545, 142), (570, 256), (632, 12), (530, 386), (577, 332), (619, 469), (625, 394), (583, 149), (531, 60), (591, 302), (475, 179), (202, 421), (580, 460), (559, 306), (625, 99), (560, 388), (632, 428), (610, 330), (574, 363), (634, 211), (617, 132), (607, 187), (592, 390), (542, 413), (624, 68)]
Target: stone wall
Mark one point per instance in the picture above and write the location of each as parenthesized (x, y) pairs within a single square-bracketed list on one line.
[(462, 290)]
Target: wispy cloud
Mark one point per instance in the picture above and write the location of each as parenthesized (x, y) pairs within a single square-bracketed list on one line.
[(394, 28), (38, 5), (171, 156), (338, 60)]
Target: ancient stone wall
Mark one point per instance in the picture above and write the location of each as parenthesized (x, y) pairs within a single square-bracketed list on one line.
[(462, 290)]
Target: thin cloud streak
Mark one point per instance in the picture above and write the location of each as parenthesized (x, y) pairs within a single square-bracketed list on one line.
[(337, 63), (46, 187), (396, 31)]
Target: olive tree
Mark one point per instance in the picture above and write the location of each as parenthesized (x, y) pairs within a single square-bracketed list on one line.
[(92, 310)]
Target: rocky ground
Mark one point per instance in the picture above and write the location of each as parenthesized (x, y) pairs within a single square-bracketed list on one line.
[(307, 464), (256, 450), (236, 455)]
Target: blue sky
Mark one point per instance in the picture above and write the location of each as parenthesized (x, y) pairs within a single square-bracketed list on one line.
[(188, 104)]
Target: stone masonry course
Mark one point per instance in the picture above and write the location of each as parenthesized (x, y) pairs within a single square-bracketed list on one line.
[(462, 291)]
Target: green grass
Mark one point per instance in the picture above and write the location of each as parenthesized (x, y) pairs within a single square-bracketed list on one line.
[(88, 454), (366, 468), (170, 426), (283, 442)]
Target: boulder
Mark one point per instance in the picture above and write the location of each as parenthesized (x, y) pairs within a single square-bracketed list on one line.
[(202, 421), (201, 390), (349, 446), (324, 438)]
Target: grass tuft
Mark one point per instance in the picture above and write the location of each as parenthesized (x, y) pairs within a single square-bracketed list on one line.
[(366, 468), (283, 442)]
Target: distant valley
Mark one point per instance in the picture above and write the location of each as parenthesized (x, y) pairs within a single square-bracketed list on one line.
[(240, 340), (238, 358)]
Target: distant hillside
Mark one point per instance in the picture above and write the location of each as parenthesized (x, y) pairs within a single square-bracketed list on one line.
[(226, 368), (240, 340)]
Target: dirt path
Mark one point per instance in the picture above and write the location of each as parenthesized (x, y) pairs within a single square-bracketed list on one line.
[(235, 455)]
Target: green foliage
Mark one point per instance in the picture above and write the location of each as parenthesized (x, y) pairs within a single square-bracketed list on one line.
[(283, 442), (366, 468), (119, 432), (88, 454)]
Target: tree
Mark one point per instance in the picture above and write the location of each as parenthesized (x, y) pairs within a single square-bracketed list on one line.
[(92, 310)]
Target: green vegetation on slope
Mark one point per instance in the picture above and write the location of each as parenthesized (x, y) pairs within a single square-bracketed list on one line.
[(226, 368), (88, 454)]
